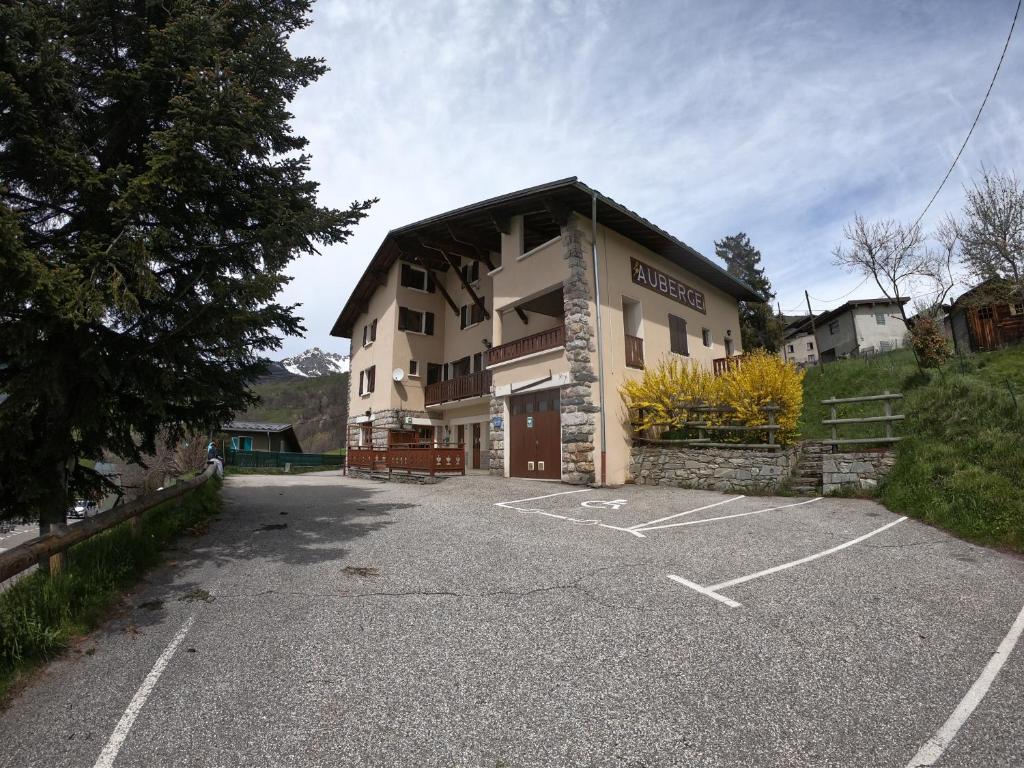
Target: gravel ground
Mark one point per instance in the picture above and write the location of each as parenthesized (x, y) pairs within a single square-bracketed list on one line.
[(404, 625)]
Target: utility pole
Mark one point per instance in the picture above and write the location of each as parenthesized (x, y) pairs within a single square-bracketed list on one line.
[(817, 349), (785, 357)]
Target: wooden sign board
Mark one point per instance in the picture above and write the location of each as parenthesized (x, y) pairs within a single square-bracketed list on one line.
[(658, 281)]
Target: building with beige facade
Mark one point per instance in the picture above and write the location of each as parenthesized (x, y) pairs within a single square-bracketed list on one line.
[(489, 327)]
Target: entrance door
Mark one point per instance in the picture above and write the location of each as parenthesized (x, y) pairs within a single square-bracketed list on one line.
[(535, 435), (476, 446)]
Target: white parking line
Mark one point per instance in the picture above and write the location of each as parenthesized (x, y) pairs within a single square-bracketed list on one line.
[(802, 560), (537, 498), (109, 753), (713, 590), (937, 744), (687, 512), (729, 517)]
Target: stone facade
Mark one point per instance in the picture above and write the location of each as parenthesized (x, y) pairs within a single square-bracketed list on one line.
[(383, 422), (859, 471), (577, 399), (715, 469), (496, 443)]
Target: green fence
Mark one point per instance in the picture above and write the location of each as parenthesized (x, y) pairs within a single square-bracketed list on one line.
[(268, 459)]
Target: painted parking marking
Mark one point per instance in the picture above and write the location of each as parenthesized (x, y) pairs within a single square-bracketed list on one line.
[(110, 751), (729, 517), (687, 512), (602, 503), (938, 743), (713, 590)]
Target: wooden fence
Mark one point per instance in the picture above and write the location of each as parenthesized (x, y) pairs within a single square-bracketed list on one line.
[(426, 458), (52, 546), (709, 427), (888, 418)]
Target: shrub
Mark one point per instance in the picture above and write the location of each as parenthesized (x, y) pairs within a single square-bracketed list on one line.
[(932, 347), (764, 379), (662, 397)]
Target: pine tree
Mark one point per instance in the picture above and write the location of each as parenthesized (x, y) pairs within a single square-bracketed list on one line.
[(759, 328), (152, 193)]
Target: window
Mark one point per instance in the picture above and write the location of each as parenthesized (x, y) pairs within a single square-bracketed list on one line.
[(791, 348), (705, 334), (414, 369), (478, 362), (985, 313), (471, 271), (367, 379), (812, 358), (365, 436), (833, 328), (677, 335), (415, 321), (810, 345), (1017, 309), (369, 333), (241, 443), (470, 315), (434, 373), (417, 279), (880, 318), (373, 331)]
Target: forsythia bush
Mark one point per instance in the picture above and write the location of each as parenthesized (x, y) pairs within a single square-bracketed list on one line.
[(663, 397), (764, 379)]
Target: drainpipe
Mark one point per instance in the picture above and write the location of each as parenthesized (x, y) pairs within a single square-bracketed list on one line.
[(600, 335)]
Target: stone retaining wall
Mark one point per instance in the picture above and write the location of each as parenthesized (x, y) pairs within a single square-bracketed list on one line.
[(859, 471), (716, 469)]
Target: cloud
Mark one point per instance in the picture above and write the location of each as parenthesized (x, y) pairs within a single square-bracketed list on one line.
[(778, 119)]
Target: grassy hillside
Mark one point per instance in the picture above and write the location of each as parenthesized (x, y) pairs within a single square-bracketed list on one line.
[(961, 463), (317, 408)]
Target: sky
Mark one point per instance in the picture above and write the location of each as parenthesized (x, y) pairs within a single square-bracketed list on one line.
[(782, 120)]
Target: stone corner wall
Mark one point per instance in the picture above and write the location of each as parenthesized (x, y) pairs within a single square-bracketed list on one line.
[(714, 469), (860, 470), (496, 440), (577, 398)]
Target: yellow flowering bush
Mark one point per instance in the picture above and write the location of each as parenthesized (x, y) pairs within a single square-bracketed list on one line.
[(764, 379), (662, 399)]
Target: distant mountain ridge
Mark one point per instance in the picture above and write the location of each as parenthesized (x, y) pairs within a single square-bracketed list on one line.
[(311, 363)]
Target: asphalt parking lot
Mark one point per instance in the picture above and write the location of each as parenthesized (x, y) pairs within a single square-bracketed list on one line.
[(493, 622)]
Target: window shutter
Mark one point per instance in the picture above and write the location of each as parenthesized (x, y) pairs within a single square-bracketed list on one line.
[(462, 316), (362, 377), (431, 284), (428, 323), (364, 335), (371, 378), (406, 275), (677, 335), (373, 331), (401, 319)]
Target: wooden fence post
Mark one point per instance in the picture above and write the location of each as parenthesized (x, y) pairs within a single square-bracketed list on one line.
[(771, 423), (888, 412), (832, 416)]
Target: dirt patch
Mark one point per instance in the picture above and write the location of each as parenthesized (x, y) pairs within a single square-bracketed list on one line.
[(152, 605), (197, 595), (360, 570)]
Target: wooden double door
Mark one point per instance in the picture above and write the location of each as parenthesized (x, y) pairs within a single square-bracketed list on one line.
[(474, 453), (535, 435)]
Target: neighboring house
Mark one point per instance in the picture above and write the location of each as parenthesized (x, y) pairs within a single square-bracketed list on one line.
[(798, 343), (262, 436), (479, 327), (860, 326), (983, 319)]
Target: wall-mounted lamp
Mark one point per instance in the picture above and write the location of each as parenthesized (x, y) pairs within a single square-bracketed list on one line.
[(369, 413), (486, 343), (729, 332)]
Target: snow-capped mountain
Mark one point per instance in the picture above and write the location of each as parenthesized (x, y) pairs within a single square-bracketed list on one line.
[(315, 362)]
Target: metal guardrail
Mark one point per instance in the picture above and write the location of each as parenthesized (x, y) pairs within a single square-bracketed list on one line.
[(50, 545)]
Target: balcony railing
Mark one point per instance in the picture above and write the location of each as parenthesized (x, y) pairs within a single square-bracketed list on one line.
[(634, 352), (459, 388), (538, 342), (427, 458), (722, 364)]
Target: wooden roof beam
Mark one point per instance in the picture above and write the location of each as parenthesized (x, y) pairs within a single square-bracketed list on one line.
[(442, 290), (469, 289)]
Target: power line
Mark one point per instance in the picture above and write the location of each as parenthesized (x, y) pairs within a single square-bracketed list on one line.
[(837, 298), (976, 117)]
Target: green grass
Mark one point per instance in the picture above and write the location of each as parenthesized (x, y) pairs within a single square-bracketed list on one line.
[(960, 464), (40, 616)]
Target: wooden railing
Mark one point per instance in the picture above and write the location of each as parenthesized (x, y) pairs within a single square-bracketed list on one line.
[(427, 458), (538, 342), (888, 418), (459, 388), (634, 352), (722, 364), (54, 545)]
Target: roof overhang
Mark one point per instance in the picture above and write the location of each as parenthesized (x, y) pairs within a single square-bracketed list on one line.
[(480, 225)]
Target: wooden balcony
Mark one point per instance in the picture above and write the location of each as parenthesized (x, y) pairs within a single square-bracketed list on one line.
[(425, 458), (722, 364), (474, 385), (528, 345), (634, 352)]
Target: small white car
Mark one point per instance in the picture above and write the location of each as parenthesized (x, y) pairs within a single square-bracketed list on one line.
[(83, 508)]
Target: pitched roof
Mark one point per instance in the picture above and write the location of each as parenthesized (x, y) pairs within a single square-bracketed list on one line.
[(854, 303), (478, 219), (255, 426)]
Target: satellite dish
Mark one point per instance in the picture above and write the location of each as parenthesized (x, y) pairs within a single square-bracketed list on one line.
[(398, 374)]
